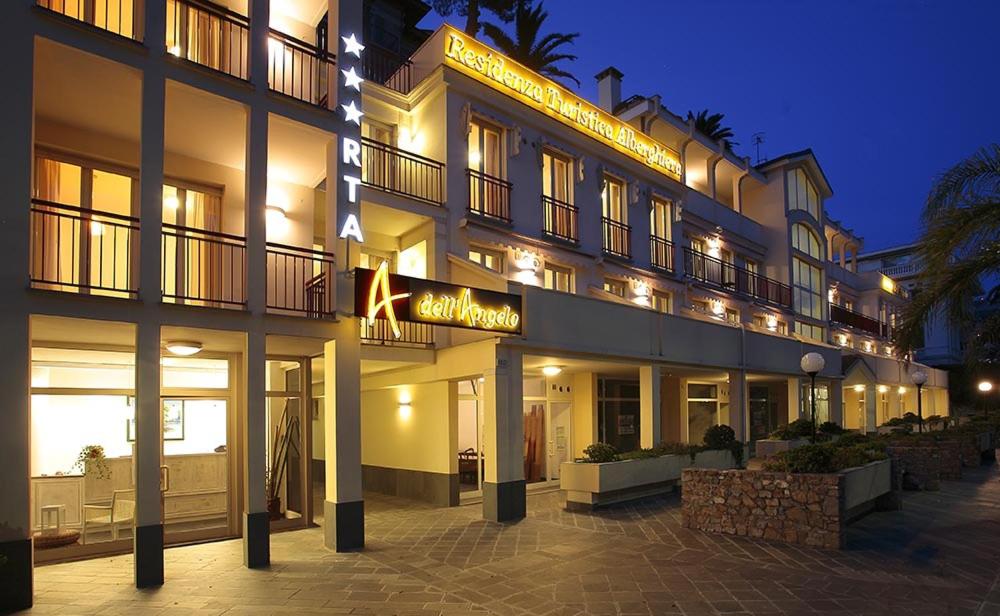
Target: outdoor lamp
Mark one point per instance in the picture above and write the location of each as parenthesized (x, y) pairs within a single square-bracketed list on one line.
[(919, 378), (184, 348), (985, 387), (551, 370), (812, 364)]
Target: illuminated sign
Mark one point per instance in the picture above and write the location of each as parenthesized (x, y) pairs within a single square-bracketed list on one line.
[(350, 144), (501, 73), (394, 298)]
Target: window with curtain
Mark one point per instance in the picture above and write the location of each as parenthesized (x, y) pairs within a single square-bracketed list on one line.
[(802, 194), (659, 219), (557, 177), (804, 240), (613, 200), (807, 289)]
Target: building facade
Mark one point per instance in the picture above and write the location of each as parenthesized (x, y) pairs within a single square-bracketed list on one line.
[(258, 266)]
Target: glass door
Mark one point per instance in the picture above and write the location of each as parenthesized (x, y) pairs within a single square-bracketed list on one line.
[(288, 499), (558, 436), (470, 438)]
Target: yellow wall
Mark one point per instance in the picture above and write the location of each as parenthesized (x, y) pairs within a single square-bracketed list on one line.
[(584, 411), (426, 441)]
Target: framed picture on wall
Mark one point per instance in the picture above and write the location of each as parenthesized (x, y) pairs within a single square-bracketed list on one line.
[(130, 429), (173, 420)]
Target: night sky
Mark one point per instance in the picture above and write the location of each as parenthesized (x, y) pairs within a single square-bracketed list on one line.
[(888, 94)]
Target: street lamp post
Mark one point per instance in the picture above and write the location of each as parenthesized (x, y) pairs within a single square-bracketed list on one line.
[(812, 364), (985, 387), (919, 378)]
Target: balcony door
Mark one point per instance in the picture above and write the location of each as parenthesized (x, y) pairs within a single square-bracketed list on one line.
[(378, 165), (557, 190), (487, 193), (195, 259)]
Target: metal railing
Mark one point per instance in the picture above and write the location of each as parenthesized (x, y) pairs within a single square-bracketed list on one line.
[(300, 280), (661, 253), (379, 332), (300, 70), (719, 273), (210, 35), (121, 17), (203, 267), (489, 196), (905, 269), (397, 171), (83, 251), (617, 238), (856, 320), (387, 68), (560, 219)]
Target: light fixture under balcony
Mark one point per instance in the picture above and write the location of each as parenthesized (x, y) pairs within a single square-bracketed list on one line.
[(859, 388), (184, 348), (551, 370)]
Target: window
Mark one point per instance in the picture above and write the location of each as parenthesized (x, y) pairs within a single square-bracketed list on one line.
[(490, 259), (802, 194), (618, 413), (558, 278), (804, 240), (807, 288), (615, 287), (733, 315), (770, 323), (613, 200), (662, 302), (659, 219), (486, 149), (700, 305), (557, 177), (822, 402), (809, 331), (703, 409)]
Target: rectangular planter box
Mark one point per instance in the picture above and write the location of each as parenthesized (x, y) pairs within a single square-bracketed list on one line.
[(863, 485), (587, 486)]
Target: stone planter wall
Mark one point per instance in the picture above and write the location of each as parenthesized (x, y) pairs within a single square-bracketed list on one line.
[(924, 467), (804, 509)]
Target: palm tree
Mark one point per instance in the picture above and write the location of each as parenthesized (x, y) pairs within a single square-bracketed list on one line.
[(526, 48), (472, 10), (711, 126), (958, 249)]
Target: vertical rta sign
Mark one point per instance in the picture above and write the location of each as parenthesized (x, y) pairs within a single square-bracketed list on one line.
[(350, 142)]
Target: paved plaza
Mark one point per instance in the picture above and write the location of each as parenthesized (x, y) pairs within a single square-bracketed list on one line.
[(940, 555)]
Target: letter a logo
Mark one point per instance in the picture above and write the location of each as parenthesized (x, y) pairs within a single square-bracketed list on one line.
[(380, 286)]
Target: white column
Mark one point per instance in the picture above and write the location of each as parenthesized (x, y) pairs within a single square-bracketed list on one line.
[(343, 509), (148, 540), (738, 403), (503, 437), (649, 405), (794, 399)]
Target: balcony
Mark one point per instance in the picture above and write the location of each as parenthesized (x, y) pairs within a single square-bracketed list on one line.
[(560, 220), (121, 17), (387, 68), (901, 271), (203, 268), (489, 197), (380, 333), (858, 321), (727, 276), (299, 70), (400, 172), (617, 238), (300, 281), (83, 251), (661, 254), (210, 35)]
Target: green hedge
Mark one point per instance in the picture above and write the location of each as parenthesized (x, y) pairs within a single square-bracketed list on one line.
[(849, 451)]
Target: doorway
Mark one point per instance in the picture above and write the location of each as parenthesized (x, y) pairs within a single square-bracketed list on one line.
[(471, 462)]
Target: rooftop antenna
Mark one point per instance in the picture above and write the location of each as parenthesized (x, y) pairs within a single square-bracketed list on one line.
[(757, 139)]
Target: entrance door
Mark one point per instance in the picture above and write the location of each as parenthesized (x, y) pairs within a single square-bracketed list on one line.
[(558, 437), (195, 481), (470, 438)]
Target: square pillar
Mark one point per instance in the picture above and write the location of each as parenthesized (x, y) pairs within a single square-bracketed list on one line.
[(794, 399), (148, 535), (343, 508), (504, 490), (837, 402), (738, 403), (16, 574), (256, 523), (649, 405)]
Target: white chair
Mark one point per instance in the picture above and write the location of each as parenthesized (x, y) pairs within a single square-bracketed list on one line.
[(119, 513)]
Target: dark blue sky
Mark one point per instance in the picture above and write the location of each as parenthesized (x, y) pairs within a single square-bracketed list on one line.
[(888, 94)]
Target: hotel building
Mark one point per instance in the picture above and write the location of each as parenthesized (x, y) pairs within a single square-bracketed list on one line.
[(243, 287)]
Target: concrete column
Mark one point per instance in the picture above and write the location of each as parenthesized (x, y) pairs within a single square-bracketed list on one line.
[(650, 402), (256, 524), (794, 399), (738, 403), (871, 408), (837, 402), (503, 438), (148, 538), (343, 509)]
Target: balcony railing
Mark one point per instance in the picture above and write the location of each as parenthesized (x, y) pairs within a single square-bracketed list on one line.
[(300, 280), (617, 238), (300, 70), (83, 251), (387, 68), (661, 253), (379, 332), (121, 17), (210, 35), (204, 268), (862, 322), (725, 275), (560, 219), (489, 196), (397, 171), (898, 271)]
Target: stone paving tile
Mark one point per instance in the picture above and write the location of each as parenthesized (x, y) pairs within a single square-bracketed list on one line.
[(940, 555)]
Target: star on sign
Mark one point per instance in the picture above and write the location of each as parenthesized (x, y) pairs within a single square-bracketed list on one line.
[(352, 113), (353, 80), (351, 45)]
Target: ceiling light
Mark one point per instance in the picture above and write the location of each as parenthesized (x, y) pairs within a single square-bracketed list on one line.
[(551, 370), (183, 348)]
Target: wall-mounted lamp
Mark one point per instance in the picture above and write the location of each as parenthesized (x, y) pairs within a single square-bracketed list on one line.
[(714, 247), (883, 389), (843, 340), (640, 292), (717, 307), (771, 322), (551, 370), (527, 264), (902, 390), (867, 346), (405, 405)]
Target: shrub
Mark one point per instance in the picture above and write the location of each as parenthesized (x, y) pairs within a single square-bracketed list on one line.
[(677, 449), (639, 454), (822, 458), (719, 437), (597, 453), (831, 427), (800, 428)]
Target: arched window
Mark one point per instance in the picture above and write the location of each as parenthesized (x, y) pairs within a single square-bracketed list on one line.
[(803, 239), (802, 194)]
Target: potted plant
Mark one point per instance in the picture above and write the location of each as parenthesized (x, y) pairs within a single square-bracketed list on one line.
[(92, 458)]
